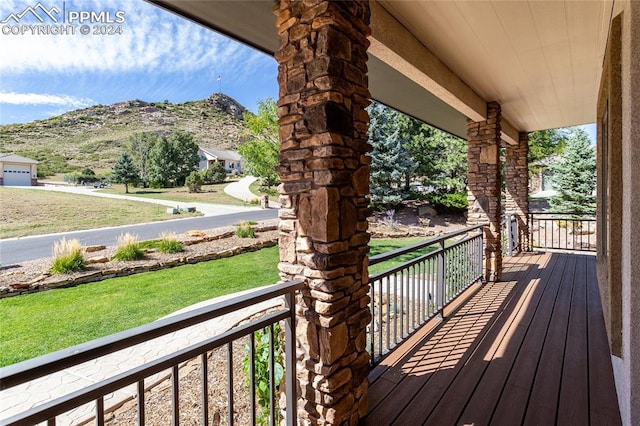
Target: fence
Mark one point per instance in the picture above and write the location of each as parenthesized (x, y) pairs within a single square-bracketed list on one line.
[(406, 296), (562, 231), (254, 353)]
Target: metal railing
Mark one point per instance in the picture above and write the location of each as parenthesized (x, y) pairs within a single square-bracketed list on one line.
[(406, 296), (510, 235), (29, 370), (562, 231)]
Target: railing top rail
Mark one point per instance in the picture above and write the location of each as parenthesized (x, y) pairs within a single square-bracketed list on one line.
[(31, 369), (587, 215), (403, 250), (112, 384), (404, 265), (419, 259)]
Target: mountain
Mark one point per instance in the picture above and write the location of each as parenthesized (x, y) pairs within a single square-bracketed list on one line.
[(93, 137)]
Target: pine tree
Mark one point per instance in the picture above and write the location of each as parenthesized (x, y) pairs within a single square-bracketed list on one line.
[(215, 173), (441, 157), (574, 175), (391, 164), (542, 144), (124, 171)]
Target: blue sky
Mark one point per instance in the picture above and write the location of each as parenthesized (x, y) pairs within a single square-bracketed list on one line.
[(158, 56)]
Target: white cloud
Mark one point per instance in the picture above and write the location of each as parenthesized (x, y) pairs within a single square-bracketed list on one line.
[(152, 39), (44, 99)]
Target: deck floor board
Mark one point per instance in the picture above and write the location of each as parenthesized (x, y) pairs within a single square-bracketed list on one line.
[(530, 349)]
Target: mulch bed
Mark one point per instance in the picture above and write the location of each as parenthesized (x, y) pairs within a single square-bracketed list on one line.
[(34, 276)]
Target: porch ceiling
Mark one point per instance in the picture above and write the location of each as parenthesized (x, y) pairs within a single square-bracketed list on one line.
[(540, 59)]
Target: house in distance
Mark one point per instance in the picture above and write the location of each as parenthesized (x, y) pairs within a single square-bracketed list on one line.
[(231, 160)]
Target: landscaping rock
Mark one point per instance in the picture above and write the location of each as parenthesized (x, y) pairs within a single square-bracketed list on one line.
[(33, 276), (427, 210), (93, 249)]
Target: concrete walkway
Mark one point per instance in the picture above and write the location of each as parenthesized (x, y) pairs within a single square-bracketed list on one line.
[(32, 394), (207, 209), (240, 190)]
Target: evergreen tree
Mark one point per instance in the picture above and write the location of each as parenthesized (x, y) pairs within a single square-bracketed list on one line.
[(544, 143), (194, 181), (391, 164), (215, 173), (124, 171), (574, 175), (442, 159)]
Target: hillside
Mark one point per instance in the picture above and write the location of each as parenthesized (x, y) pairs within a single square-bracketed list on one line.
[(93, 137)]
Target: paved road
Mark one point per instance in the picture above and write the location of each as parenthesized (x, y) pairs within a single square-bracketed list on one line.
[(17, 250)]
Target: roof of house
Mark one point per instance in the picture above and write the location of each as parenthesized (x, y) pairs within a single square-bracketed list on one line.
[(221, 154), (14, 158)]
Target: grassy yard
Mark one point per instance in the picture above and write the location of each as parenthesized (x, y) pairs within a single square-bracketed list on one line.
[(26, 212), (39, 323), (36, 324), (255, 188), (384, 245), (209, 194)]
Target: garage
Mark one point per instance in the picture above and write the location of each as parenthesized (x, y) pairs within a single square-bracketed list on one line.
[(16, 170), (16, 175)]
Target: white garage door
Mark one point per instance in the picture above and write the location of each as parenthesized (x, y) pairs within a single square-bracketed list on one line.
[(16, 175)]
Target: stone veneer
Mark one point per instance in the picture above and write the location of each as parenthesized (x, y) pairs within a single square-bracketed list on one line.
[(484, 182), (324, 169), (517, 186)]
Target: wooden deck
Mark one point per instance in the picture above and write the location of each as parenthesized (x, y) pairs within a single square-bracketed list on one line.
[(531, 349)]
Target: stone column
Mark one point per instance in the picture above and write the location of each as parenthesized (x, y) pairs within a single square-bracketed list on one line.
[(484, 181), (324, 170), (517, 186)]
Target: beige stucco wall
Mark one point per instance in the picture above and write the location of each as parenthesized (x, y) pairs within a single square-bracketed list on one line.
[(627, 367), (610, 188)]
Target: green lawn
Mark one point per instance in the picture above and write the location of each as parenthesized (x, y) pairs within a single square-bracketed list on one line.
[(255, 188), (25, 212), (209, 194), (384, 245), (39, 323)]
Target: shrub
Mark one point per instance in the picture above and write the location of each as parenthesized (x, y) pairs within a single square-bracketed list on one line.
[(169, 243), (389, 219), (449, 202), (85, 176), (215, 173), (246, 222), (128, 248), (261, 366), (245, 230), (67, 257), (194, 181), (269, 190)]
